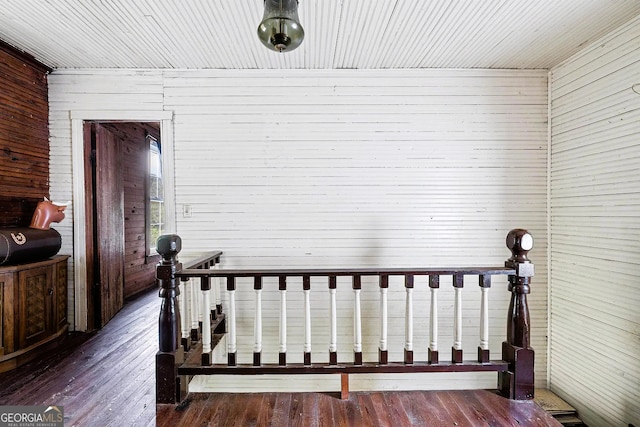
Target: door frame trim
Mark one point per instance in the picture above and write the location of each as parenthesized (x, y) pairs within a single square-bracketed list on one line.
[(165, 118)]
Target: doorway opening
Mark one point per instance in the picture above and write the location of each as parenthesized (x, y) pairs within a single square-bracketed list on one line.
[(123, 211), (79, 315)]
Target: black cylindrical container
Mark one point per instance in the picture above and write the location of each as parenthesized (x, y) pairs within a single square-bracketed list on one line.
[(22, 244)]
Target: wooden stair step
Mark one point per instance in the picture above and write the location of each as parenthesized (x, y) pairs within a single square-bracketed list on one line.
[(569, 420), (558, 408)]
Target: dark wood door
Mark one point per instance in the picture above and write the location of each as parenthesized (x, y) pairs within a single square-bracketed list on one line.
[(106, 231)]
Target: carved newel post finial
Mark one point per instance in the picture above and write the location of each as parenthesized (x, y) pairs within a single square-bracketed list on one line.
[(518, 382), (519, 242), (168, 246)]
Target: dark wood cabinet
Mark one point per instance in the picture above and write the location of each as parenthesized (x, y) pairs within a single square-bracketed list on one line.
[(33, 309)]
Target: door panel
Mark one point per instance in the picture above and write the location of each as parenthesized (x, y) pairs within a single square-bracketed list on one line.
[(93, 300), (109, 223)]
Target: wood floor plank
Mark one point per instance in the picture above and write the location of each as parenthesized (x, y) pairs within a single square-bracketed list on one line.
[(311, 409), (194, 410), (252, 403), (281, 409), (266, 410), (386, 414), (136, 401), (413, 409), (167, 415), (109, 385), (367, 411), (296, 410), (458, 412), (325, 412), (433, 406), (499, 416), (396, 410), (474, 412), (330, 412)]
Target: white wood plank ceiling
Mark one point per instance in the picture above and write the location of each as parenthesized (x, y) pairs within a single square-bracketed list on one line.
[(363, 34)]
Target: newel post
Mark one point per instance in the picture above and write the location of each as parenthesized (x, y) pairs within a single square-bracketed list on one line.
[(170, 353), (518, 382)]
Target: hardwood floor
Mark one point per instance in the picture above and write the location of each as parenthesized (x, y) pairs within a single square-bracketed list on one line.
[(468, 408), (108, 379)]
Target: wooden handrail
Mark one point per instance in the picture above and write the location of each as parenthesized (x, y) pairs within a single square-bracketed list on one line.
[(325, 272), (204, 262)]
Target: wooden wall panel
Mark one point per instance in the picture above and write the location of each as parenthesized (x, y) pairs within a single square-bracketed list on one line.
[(139, 271), (24, 136), (595, 229)]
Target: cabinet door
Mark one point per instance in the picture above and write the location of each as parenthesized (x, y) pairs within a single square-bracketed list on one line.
[(2, 309), (60, 296), (8, 284), (1, 316), (35, 293)]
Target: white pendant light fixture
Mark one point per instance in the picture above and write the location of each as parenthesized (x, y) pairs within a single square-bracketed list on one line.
[(280, 29)]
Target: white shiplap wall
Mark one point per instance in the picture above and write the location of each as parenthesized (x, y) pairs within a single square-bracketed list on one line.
[(595, 228), (353, 168)]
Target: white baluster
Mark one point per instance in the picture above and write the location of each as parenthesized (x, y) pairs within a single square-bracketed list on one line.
[(408, 320), (198, 292), (484, 319), (217, 283), (214, 285), (433, 321), (333, 343), (206, 320), (183, 300), (307, 321), (194, 305), (384, 313), (457, 321), (283, 321), (257, 323), (231, 345), (357, 322)]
